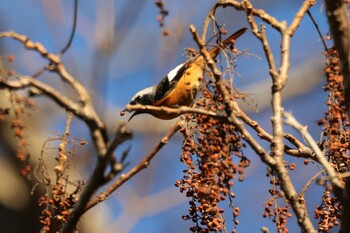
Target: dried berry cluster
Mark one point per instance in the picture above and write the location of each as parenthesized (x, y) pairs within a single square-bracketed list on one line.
[(279, 214), (336, 141), (19, 107), (335, 124), (56, 206), (272, 207), (329, 212), (5, 69), (208, 150), (162, 14), (61, 193)]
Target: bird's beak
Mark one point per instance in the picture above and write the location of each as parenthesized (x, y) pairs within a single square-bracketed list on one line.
[(134, 114), (122, 113)]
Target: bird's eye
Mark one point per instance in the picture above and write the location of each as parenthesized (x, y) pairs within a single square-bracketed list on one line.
[(138, 99)]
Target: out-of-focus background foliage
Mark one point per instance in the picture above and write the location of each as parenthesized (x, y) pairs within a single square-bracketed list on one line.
[(119, 49)]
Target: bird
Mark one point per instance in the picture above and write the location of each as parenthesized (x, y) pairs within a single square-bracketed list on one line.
[(178, 87)]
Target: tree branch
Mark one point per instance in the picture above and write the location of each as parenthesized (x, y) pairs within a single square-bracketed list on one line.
[(228, 102), (27, 82), (245, 5), (300, 15), (95, 181), (62, 154), (140, 166), (301, 151), (334, 178), (176, 111)]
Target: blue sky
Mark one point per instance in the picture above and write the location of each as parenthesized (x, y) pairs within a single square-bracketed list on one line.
[(140, 57)]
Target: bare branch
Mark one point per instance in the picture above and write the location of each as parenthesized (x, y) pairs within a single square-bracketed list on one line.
[(26, 82), (245, 5), (30, 45), (301, 151), (277, 163), (268, 52), (290, 120), (297, 203), (56, 66), (300, 15), (95, 181), (306, 186), (120, 136), (176, 111), (140, 166), (62, 156), (318, 30)]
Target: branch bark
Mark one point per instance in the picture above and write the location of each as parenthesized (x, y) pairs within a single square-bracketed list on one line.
[(140, 166), (290, 120)]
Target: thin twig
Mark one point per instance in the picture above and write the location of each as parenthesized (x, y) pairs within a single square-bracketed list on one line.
[(341, 175), (27, 81), (119, 138), (140, 166), (95, 181), (306, 186), (246, 5), (66, 47), (75, 16), (317, 29), (62, 156)]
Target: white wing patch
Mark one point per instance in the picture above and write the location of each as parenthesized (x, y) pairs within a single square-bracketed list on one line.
[(147, 90), (171, 75)]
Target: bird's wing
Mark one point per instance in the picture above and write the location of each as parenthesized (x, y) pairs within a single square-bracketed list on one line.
[(168, 83)]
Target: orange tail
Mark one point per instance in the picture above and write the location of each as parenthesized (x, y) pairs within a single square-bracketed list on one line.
[(230, 40)]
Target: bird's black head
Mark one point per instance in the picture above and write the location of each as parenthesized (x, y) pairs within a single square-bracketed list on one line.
[(144, 97)]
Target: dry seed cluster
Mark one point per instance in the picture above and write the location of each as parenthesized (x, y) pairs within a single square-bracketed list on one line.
[(160, 4), (273, 207), (335, 124), (336, 132), (20, 107), (328, 212), (56, 205), (212, 152)]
